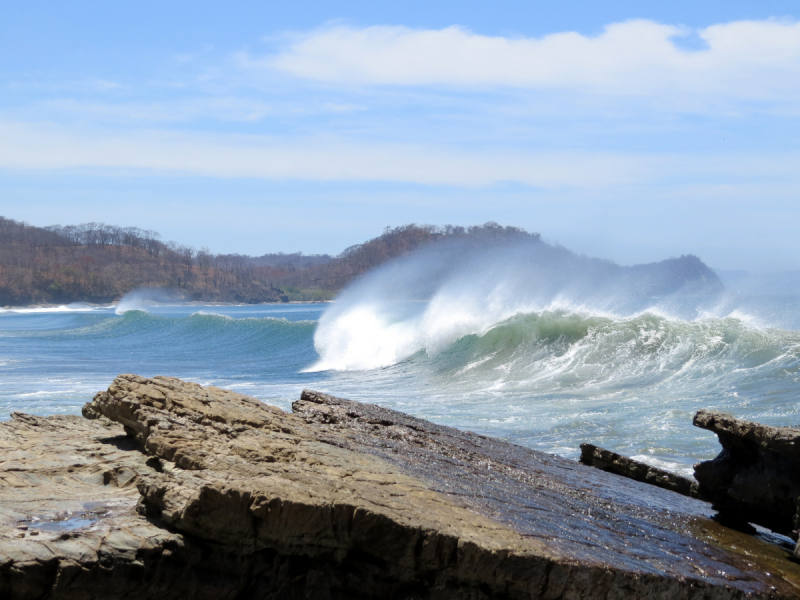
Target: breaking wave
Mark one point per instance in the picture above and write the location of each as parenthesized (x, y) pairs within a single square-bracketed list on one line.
[(556, 351), (537, 330)]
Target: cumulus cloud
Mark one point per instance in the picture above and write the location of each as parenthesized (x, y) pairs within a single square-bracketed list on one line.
[(749, 60)]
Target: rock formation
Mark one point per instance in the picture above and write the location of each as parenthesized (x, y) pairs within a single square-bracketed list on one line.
[(211, 494), (618, 464), (756, 477)]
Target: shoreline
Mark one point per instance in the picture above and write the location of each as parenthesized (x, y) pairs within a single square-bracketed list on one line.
[(189, 303), (339, 499)]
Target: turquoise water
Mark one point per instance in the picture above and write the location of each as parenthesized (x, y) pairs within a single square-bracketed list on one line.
[(54, 360), (549, 377)]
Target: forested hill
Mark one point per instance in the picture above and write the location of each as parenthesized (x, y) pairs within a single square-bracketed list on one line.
[(95, 262)]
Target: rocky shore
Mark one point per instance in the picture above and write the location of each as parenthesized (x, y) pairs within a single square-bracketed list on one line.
[(170, 490)]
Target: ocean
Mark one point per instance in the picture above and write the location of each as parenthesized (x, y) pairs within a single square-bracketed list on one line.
[(544, 371)]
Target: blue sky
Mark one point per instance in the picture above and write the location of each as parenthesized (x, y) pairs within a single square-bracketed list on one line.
[(633, 131)]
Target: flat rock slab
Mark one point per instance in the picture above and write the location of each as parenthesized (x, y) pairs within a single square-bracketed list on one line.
[(237, 499)]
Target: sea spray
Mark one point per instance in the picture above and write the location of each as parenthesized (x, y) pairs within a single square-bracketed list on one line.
[(431, 298), (142, 298), (551, 349)]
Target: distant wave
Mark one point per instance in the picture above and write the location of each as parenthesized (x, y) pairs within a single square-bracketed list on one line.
[(141, 298), (201, 329)]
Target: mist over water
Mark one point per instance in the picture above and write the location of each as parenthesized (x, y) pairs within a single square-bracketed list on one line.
[(523, 341)]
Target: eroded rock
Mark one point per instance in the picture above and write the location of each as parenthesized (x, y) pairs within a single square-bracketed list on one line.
[(756, 477)]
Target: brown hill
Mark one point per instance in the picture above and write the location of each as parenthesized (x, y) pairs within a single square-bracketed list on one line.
[(95, 262)]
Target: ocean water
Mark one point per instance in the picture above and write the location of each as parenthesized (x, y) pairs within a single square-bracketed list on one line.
[(548, 372)]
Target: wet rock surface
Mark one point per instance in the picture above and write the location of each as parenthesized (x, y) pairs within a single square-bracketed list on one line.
[(213, 494), (756, 477)]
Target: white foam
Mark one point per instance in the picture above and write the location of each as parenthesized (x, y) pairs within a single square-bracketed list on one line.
[(43, 393), (667, 465), (364, 338), (64, 308), (143, 298)]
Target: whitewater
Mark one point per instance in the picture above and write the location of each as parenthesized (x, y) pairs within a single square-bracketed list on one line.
[(541, 351)]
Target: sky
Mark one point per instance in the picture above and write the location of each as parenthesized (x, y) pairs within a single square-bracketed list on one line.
[(633, 131)]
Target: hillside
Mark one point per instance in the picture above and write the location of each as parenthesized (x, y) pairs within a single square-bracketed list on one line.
[(95, 262)]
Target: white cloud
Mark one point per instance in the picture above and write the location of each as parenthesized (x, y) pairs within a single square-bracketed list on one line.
[(25, 146), (747, 60)]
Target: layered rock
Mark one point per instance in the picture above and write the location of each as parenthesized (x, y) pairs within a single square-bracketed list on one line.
[(756, 477), (237, 499), (68, 528)]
